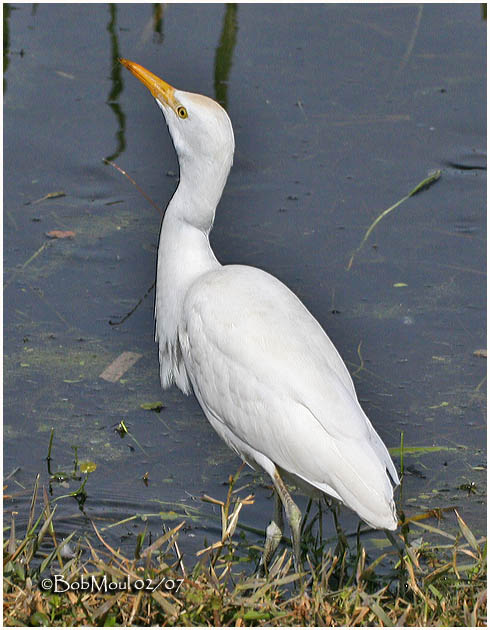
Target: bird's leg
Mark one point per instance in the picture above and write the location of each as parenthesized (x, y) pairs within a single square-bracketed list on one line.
[(273, 533), (293, 515)]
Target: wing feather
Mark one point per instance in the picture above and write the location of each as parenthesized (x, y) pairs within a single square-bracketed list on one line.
[(262, 366)]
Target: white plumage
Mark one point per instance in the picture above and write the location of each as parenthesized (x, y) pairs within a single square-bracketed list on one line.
[(265, 373)]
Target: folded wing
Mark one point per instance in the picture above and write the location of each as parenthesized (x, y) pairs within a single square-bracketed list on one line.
[(263, 367)]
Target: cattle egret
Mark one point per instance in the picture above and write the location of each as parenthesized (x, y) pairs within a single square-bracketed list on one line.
[(265, 373)]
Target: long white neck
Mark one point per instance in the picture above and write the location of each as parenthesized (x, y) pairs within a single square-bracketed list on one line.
[(185, 254), (200, 188)]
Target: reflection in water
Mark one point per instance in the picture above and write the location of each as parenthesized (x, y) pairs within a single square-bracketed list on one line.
[(158, 21), (224, 53), (116, 85), (7, 9), (6, 41), (154, 26)]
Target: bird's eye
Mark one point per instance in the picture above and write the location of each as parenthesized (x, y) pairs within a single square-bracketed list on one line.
[(182, 112)]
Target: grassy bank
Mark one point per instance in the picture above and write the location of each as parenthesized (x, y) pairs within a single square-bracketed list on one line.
[(426, 576)]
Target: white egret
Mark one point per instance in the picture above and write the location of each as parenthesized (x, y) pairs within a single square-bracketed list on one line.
[(265, 373)]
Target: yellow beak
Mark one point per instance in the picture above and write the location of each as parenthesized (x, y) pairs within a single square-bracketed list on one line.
[(160, 90)]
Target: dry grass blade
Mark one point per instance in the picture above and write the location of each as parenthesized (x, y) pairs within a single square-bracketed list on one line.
[(47, 561), (413, 582), (159, 542), (403, 617), (213, 547), (434, 530), (179, 557), (119, 572), (232, 521), (377, 610), (207, 499), (49, 518), (278, 565), (33, 504), (12, 544), (169, 608), (106, 545), (467, 533), (105, 607), (134, 609)]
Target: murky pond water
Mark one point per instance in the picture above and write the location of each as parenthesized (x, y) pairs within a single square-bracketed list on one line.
[(339, 111)]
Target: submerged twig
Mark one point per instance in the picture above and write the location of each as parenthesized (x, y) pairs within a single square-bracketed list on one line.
[(123, 172), (52, 195), (129, 313), (150, 200)]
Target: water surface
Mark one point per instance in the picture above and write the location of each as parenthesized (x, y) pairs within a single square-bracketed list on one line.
[(339, 111)]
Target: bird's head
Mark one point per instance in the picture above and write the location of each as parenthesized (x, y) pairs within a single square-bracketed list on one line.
[(200, 128)]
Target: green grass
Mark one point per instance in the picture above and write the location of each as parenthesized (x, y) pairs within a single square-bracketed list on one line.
[(432, 573)]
